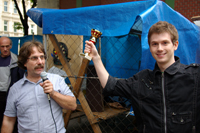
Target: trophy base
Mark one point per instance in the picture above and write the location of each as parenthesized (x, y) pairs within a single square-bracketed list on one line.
[(86, 56)]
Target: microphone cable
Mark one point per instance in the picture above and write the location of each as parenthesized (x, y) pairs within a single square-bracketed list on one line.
[(43, 75), (52, 112)]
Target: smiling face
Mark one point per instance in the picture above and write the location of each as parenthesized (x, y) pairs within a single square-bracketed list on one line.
[(162, 49), (35, 66)]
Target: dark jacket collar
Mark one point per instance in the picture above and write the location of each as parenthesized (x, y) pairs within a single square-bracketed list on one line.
[(171, 69)]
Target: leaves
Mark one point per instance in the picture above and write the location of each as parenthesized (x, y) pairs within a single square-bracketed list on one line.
[(18, 25), (23, 17)]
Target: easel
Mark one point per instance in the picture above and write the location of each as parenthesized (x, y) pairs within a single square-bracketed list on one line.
[(93, 117)]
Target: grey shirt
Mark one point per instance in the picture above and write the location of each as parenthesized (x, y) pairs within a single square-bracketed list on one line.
[(5, 73)]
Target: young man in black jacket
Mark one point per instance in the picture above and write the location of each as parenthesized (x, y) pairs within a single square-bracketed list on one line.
[(164, 100)]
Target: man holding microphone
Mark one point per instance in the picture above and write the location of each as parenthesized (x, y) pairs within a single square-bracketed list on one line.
[(28, 101)]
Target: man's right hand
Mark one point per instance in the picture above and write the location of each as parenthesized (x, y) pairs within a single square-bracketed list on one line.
[(100, 69)]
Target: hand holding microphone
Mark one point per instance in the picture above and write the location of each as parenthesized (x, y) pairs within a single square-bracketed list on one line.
[(46, 85)]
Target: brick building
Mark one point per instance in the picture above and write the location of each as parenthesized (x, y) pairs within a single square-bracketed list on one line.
[(187, 8)]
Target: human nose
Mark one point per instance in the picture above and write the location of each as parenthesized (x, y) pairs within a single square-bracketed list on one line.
[(160, 47), (39, 60), (5, 48)]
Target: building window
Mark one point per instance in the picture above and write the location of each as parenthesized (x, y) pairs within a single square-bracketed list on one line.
[(15, 9), (5, 6), (32, 29), (15, 27), (5, 25)]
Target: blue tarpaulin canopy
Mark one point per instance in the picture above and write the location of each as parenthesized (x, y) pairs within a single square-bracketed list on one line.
[(21, 41), (116, 20)]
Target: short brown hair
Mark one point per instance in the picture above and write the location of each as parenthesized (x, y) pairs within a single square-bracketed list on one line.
[(163, 26), (26, 50)]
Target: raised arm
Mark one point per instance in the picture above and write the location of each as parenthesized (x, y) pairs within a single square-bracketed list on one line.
[(100, 69), (8, 124)]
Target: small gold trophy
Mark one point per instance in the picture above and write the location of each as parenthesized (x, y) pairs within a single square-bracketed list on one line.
[(95, 35)]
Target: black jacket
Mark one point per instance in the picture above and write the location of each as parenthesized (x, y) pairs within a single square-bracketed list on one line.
[(16, 73), (166, 102)]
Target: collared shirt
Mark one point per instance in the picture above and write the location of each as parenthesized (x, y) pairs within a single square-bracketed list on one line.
[(28, 102)]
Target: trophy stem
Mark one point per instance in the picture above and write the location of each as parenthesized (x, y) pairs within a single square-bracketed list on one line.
[(86, 56), (95, 34)]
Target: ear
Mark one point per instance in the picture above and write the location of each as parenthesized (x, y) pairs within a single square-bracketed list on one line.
[(25, 65), (176, 45)]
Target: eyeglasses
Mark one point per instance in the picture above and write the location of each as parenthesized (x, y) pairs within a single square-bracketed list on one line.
[(35, 58)]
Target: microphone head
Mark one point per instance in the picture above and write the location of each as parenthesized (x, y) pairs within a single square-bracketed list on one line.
[(43, 75)]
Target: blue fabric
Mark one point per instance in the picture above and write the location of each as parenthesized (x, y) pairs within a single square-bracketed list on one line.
[(111, 20), (23, 39), (116, 20), (189, 34), (117, 55), (131, 112)]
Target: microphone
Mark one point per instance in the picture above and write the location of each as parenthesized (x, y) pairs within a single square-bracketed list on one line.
[(43, 75)]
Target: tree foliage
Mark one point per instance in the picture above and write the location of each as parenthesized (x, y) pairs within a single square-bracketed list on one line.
[(18, 26), (22, 14)]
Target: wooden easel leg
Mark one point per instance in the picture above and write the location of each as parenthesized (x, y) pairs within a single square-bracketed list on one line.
[(93, 121), (88, 113), (76, 85)]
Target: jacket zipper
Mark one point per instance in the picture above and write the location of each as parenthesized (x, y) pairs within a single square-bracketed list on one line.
[(144, 129), (193, 129), (164, 103)]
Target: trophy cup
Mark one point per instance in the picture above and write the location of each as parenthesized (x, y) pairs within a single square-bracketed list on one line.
[(95, 35)]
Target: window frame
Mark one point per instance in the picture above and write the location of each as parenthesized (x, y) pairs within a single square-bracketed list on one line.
[(15, 9), (5, 6), (32, 28), (5, 26)]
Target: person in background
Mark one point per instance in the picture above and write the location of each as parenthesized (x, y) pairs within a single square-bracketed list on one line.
[(28, 98), (10, 73), (165, 99)]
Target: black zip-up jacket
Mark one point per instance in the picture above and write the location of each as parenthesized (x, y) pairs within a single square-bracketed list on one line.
[(167, 102)]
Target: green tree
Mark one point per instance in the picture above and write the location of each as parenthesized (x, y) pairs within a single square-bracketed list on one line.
[(24, 16)]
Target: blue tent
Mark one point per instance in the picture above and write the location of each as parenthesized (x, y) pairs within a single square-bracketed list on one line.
[(117, 21), (15, 41)]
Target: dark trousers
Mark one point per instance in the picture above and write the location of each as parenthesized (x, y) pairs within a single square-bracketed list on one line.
[(3, 97)]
